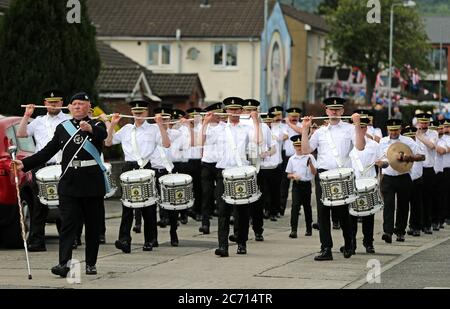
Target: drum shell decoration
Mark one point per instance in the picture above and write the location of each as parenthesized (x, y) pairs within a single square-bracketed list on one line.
[(369, 199), (138, 191), (176, 192), (240, 186), (338, 187), (112, 184)]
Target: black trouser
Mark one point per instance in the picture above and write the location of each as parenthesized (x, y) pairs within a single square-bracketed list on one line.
[(242, 216), (341, 213), (72, 210), (209, 174), (447, 192), (38, 215), (415, 216), (137, 216), (269, 184), (162, 212), (301, 196), (102, 226), (429, 193), (438, 210), (284, 184), (400, 186), (148, 214), (367, 229), (195, 170), (318, 189)]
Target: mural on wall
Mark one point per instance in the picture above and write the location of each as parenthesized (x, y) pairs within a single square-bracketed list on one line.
[(275, 62)]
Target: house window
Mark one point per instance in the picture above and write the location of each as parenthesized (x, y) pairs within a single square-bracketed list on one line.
[(433, 57), (225, 55), (158, 54)]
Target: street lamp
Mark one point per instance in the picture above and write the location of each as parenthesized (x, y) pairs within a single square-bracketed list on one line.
[(408, 3)]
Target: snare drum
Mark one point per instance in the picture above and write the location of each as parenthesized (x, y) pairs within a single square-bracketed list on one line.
[(47, 179), (176, 192), (369, 199), (112, 185), (338, 187), (138, 188), (240, 186)]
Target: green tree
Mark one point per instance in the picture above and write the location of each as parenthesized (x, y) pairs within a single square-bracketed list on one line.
[(39, 50), (327, 6), (366, 45)]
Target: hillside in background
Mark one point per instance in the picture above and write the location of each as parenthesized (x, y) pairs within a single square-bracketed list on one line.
[(426, 7)]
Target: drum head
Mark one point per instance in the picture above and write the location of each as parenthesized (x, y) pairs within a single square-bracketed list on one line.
[(49, 173), (239, 172), (175, 179), (137, 175), (366, 184), (336, 173)]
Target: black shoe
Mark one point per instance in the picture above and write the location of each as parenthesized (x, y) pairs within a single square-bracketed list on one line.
[(293, 234), (259, 237), (401, 237), (315, 226), (387, 238), (232, 238), (347, 251), (435, 227), (36, 248), (102, 239), (60, 270), (308, 232), (325, 255), (273, 218), (173, 239), (241, 249), (416, 233), (204, 229), (221, 251), (428, 231), (155, 243), (162, 223), (410, 232), (123, 245), (370, 249), (336, 226), (137, 228), (184, 219), (91, 270), (147, 246)]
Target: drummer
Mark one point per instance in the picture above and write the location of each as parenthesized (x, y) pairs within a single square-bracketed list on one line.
[(364, 167), (333, 143), (139, 141), (396, 180), (42, 130), (236, 134)]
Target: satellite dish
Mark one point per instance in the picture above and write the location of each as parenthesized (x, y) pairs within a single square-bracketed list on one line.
[(192, 53)]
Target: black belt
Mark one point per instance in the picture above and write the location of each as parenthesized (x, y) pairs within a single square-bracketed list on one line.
[(50, 164)]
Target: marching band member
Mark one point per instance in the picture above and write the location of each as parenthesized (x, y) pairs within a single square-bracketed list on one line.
[(427, 139), (416, 198), (293, 127), (79, 189), (301, 168), (236, 137), (361, 161), (396, 183), (333, 143), (42, 130), (447, 172), (438, 211), (210, 156), (139, 141)]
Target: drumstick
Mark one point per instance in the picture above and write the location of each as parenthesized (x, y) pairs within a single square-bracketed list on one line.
[(43, 106)]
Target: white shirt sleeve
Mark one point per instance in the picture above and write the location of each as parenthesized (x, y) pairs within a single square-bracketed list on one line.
[(289, 167), (120, 135), (314, 140), (31, 127), (313, 161)]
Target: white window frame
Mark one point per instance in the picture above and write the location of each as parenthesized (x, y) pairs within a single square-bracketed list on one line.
[(160, 54), (224, 66)]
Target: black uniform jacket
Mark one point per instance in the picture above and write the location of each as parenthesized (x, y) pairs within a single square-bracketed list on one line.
[(81, 181)]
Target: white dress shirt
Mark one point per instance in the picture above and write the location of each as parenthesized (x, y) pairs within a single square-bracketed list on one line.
[(278, 135), (288, 146), (148, 137), (386, 141), (417, 168), (240, 136), (266, 140), (343, 137), (177, 145), (298, 164), (439, 159), (193, 152), (43, 128), (446, 161), (362, 159), (430, 154), (212, 146)]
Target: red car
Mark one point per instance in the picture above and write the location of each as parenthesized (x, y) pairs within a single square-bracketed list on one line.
[(10, 232)]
